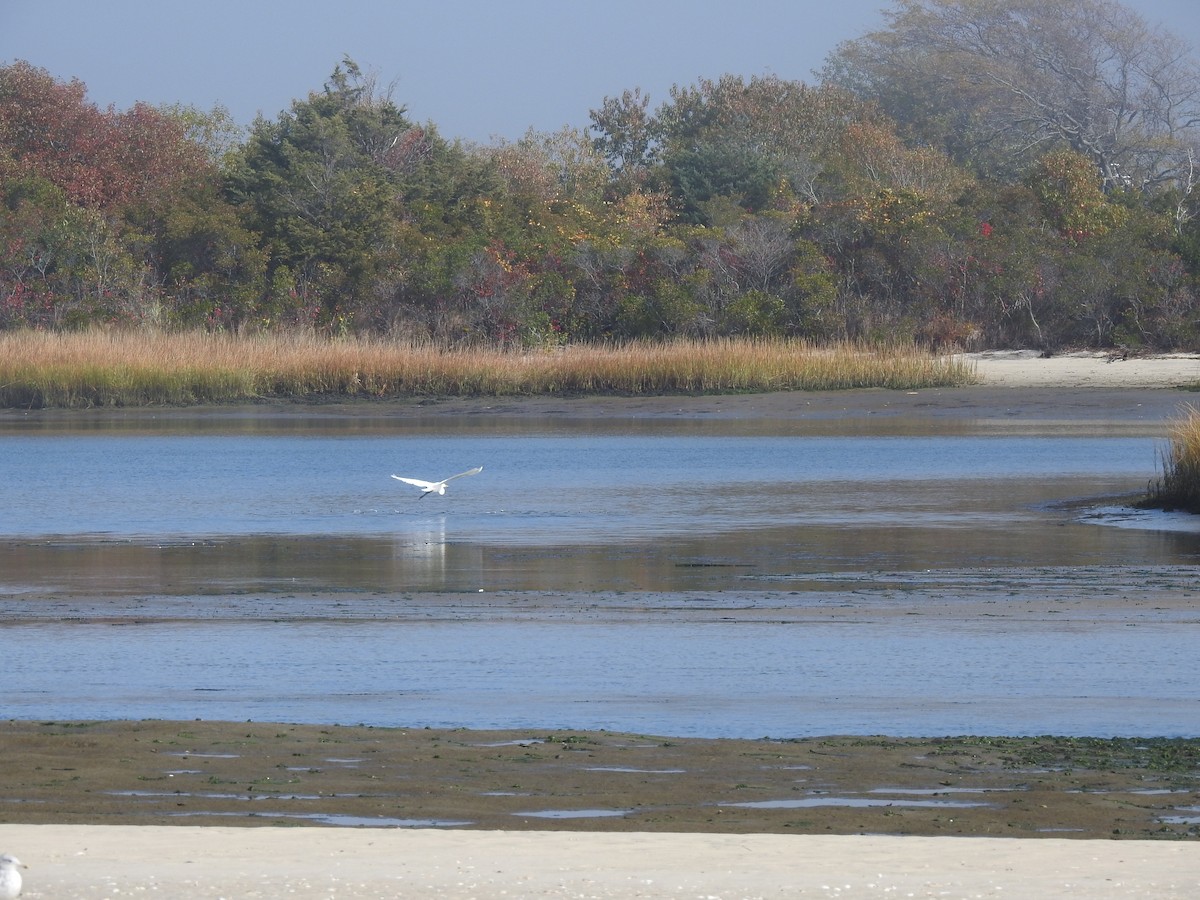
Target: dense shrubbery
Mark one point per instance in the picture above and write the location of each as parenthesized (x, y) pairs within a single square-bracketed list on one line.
[(751, 208)]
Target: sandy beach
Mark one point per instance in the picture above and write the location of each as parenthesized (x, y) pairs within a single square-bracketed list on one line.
[(95, 862), (94, 857), (1028, 368)]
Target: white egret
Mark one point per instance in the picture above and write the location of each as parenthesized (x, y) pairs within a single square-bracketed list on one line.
[(10, 877), (436, 487)]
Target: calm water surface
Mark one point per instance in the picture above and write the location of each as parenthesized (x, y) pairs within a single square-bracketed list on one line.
[(536, 488), (304, 522)]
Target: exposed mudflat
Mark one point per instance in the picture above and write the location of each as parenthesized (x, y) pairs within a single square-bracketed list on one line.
[(256, 774)]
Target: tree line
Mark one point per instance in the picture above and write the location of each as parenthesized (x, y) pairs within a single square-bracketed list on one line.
[(1013, 174)]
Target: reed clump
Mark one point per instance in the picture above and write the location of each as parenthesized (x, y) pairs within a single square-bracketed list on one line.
[(134, 368), (1179, 486)]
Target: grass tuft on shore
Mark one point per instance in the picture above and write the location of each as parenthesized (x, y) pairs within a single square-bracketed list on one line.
[(1179, 486), (137, 368)]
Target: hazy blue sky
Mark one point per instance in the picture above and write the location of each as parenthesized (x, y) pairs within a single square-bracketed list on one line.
[(478, 70)]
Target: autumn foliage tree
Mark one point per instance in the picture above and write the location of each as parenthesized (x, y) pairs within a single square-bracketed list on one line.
[(102, 220), (1006, 174)]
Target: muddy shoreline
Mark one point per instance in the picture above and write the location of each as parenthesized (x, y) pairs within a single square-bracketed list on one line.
[(265, 774), (1151, 405), (1077, 594)]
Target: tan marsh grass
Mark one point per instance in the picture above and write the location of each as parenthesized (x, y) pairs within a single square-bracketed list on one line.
[(1179, 487), (135, 368)]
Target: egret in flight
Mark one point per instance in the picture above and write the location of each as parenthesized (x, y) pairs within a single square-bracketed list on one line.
[(436, 487)]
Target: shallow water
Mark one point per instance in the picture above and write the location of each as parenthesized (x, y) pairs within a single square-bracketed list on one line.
[(687, 678), (536, 489), (203, 511), (661, 578)]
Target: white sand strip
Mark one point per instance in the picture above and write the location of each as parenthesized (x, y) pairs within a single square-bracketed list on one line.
[(77, 861), (1027, 368)]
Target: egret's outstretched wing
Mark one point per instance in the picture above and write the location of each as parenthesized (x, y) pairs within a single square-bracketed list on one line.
[(474, 471), (417, 482)]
